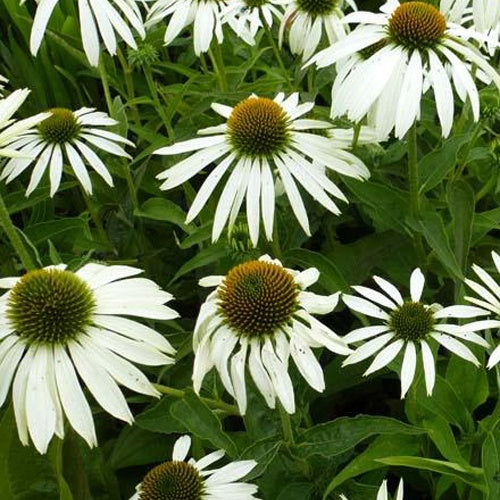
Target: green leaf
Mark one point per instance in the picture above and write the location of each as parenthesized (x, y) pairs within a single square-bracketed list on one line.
[(159, 419), (461, 206), (469, 382), (432, 227), (204, 257), (366, 461), (263, 451), (340, 435), (434, 166), (297, 491), (331, 278), (491, 462), (202, 422), (164, 210), (442, 436), (468, 474), (7, 434)]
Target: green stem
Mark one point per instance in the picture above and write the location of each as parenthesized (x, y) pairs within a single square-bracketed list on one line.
[(413, 170), (275, 243), (130, 183), (156, 99), (105, 84), (275, 48), (218, 64), (355, 136), (286, 424), (96, 218), (213, 403), (15, 239), (129, 83)]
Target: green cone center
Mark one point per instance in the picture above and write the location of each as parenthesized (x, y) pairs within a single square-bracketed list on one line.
[(317, 7), (256, 298), (172, 481), (417, 25), (50, 306), (412, 321), (60, 127), (258, 127)]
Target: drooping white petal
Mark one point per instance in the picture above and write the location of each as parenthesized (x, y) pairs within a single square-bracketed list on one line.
[(408, 368)]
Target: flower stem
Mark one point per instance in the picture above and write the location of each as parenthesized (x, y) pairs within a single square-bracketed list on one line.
[(213, 403), (218, 64), (96, 218), (15, 239), (105, 85), (413, 170), (156, 99), (355, 137), (276, 51), (286, 424), (129, 83)]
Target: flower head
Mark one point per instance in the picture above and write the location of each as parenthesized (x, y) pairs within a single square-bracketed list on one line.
[(306, 21), (408, 324), (391, 60), (112, 16), (57, 325), (207, 17), (245, 15), (488, 291), (263, 310), (260, 135), (179, 479), (66, 135)]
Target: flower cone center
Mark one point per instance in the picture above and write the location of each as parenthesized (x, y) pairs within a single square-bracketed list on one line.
[(50, 306), (417, 25), (412, 321), (60, 127), (257, 297), (258, 127), (317, 7), (172, 481)]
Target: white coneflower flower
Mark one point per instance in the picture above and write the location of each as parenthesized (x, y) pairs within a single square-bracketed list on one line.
[(245, 15), (11, 130), (66, 135), (489, 293), (261, 313), (104, 18), (3, 81), (179, 479), (206, 16), (408, 324), (261, 135), (383, 493), (400, 48), (306, 21), (58, 326)]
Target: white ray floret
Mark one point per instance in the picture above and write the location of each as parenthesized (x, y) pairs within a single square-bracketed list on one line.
[(245, 16), (261, 141), (383, 493), (393, 58), (99, 19), (308, 21), (408, 325), (61, 328), (487, 296), (69, 137), (181, 478), (10, 129), (206, 16), (258, 317)]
